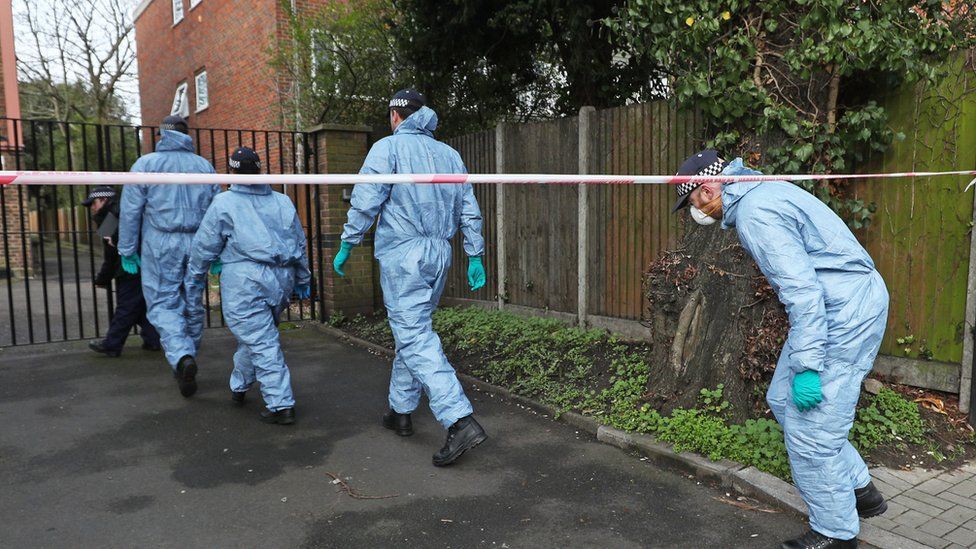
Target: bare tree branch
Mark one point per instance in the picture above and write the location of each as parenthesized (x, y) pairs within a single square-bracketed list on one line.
[(80, 53)]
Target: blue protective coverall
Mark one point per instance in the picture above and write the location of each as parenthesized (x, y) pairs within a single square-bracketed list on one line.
[(259, 239), (158, 222), (412, 244), (838, 306)]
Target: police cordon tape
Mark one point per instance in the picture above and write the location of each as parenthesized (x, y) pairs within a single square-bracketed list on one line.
[(131, 178)]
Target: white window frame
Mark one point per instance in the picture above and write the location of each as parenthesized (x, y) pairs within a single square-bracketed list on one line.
[(206, 91), (181, 103), (178, 11), (194, 3)]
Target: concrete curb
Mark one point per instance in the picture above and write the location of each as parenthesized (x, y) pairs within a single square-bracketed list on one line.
[(733, 476)]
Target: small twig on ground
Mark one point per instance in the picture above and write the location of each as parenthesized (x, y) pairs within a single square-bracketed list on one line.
[(745, 506), (751, 305), (344, 486), (721, 272)]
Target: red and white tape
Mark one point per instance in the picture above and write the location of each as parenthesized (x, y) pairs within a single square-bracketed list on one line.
[(128, 178)]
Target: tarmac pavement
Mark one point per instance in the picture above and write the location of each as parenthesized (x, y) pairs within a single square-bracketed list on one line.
[(102, 452)]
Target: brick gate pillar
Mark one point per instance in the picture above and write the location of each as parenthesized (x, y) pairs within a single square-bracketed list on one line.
[(15, 246), (342, 149)]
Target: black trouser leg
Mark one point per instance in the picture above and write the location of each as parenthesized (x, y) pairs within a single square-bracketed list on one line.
[(130, 309)]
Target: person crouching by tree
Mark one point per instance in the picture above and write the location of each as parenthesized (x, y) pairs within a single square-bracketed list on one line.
[(837, 304), (259, 240), (130, 306)]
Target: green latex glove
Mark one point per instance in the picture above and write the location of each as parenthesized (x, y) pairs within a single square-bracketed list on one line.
[(216, 266), (807, 393), (341, 258), (131, 263), (476, 273)]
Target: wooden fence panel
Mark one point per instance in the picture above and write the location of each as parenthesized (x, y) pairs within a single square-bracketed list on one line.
[(632, 225), (920, 234), (541, 227), (478, 152), (629, 225)]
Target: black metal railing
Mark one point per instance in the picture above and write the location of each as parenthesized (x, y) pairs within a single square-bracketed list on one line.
[(51, 252)]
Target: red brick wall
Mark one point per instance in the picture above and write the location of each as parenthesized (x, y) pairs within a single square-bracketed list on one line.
[(228, 38), (342, 150), (15, 241)]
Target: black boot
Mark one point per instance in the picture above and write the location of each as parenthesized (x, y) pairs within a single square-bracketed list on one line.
[(816, 540), (285, 416), (99, 347), (464, 435), (400, 423), (237, 397), (186, 375), (150, 346), (870, 502)]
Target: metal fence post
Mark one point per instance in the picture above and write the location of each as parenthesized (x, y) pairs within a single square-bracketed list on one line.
[(583, 229), (500, 214)]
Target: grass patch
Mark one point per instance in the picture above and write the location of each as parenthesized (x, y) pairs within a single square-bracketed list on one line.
[(598, 375)]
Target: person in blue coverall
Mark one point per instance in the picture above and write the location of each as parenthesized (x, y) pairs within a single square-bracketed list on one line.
[(837, 304), (156, 225), (257, 237), (412, 245)]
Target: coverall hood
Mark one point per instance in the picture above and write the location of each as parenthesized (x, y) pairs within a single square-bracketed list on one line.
[(423, 121), (174, 141), (733, 192), (256, 188)]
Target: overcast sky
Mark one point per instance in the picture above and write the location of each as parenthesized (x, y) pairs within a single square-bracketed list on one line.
[(48, 15)]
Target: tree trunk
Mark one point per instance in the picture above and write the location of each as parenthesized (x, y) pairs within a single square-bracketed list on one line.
[(714, 320)]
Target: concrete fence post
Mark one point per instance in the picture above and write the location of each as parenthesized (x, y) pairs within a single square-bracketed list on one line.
[(966, 371), (583, 229), (500, 215)]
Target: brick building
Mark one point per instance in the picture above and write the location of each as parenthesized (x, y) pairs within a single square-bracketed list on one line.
[(14, 245), (207, 60)]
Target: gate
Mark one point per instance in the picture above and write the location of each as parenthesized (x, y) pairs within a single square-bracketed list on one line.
[(51, 252)]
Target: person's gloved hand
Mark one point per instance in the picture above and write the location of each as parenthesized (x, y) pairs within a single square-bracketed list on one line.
[(303, 291), (807, 393), (216, 266), (476, 273), (131, 263), (341, 258)]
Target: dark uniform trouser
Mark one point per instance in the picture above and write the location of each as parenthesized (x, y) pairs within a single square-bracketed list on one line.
[(130, 310)]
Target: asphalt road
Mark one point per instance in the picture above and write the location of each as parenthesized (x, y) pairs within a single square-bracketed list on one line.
[(101, 452)]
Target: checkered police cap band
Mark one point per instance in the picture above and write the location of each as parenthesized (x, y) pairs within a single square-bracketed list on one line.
[(714, 168), (409, 103), (236, 164), (101, 194)]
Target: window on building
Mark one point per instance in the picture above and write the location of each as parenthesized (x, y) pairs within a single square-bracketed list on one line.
[(177, 11), (181, 104), (194, 3), (203, 93)]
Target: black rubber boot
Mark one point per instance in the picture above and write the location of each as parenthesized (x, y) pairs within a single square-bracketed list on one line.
[(285, 416), (186, 376), (816, 540), (870, 502), (99, 347), (401, 423), (464, 435), (238, 397)]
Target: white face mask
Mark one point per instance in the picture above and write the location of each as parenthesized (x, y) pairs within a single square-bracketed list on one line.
[(701, 217)]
